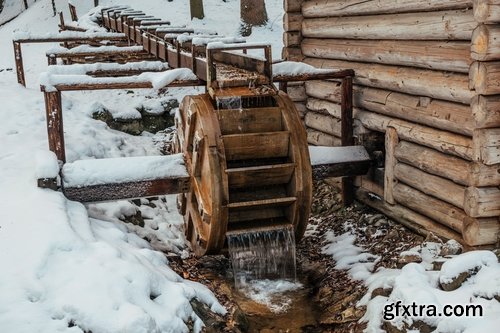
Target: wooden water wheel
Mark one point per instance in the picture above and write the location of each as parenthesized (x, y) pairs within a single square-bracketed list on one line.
[(250, 169)]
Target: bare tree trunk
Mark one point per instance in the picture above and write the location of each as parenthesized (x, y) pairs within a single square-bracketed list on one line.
[(196, 7), (253, 13)]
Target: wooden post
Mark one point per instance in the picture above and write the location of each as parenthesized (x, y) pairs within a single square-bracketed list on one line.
[(18, 56), (391, 141), (283, 86), (72, 11), (25, 4), (347, 137), (53, 108), (96, 3), (62, 25), (52, 59)]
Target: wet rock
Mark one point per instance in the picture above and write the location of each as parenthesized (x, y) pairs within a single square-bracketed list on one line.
[(102, 114), (214, 323), (135, 219), (457, 281), (408, 258), (386, 292), (437, 265), (451, 247), (154, 123), (129, 126)]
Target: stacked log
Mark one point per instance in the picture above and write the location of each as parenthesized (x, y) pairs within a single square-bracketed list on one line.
[(427, 81)]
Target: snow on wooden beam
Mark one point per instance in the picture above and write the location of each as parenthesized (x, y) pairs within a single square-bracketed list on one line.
[(180, 77), (339, 161), (124, 178), (66, 36)]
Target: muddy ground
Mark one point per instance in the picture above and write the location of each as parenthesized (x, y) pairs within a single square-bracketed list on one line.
[(327, 301)]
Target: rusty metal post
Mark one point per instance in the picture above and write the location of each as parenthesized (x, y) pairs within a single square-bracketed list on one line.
[(18, 56), (55, 132), (347, 136)]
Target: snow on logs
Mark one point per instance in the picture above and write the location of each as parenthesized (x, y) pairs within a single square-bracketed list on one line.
[(124, 178), (427, 75)]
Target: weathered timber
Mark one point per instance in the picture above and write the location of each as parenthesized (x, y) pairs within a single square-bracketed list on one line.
[(323, 123), (443, 212), (391, 141), (412, 220), (486, 111), (487, 11), (344, 169), (120, 83), (292, 53), (318, 138), (328, 8), (481, 231), (421, 82), (347, 134), (440, 25), (453, 117), (292, 5), (297, 93), (292, 21), (450, 167), (453, 56), (485, 44), (292, 38), (18, 57), (484, 77), (436, 186), (128, 190), (443, 141), (54, 117), (482, 201), (487, 145)]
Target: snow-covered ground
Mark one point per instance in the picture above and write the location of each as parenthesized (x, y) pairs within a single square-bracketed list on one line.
[(66, 267)]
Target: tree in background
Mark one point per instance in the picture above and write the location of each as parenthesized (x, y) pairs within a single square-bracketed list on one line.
[(252, 13), (196, 7)]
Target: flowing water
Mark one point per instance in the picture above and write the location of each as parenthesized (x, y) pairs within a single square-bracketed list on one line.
[(262, 255)]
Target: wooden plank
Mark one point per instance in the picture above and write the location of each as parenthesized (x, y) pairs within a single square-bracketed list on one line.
[(328, 8), (453, 56), (54, 117), (276, 202), (439, 25), (319, 138), (407, 217), (250, 120), (391, 141), (440, 211), (435, 186), (256, 145), (442, 141), (453, 117), (260, 175), (452, 87), (447, 166), (18, 57), (241, 61), (323, 123), (344, 169), (347, 135), (128, 190)]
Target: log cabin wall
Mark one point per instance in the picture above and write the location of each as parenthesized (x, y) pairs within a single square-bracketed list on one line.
[(426, 97)]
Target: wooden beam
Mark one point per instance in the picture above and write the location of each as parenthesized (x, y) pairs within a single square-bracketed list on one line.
[(391, 141), (439, 25), (55, 132), (18, 56), (484, 77), (452, 87), (128, 190), (486, 111), (328, 8), (347, 135), (487, 11), (453, 56), (132, 84), (345, 169)]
